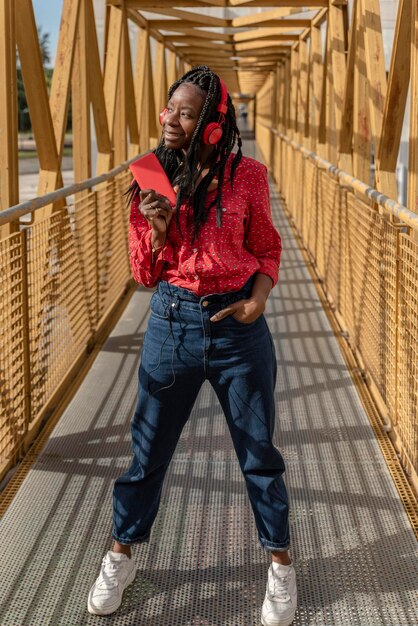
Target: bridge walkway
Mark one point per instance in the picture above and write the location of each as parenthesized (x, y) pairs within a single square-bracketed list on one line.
[(352, 542)]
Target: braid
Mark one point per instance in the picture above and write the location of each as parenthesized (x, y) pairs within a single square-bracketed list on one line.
[(184, 172)]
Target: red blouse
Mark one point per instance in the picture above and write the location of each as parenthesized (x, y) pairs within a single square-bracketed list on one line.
[(222, 258)]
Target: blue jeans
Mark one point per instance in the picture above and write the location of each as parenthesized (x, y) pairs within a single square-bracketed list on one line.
[(182, 348)]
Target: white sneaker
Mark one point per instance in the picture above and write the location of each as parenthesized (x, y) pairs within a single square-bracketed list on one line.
[(279, 606), (117, 572)]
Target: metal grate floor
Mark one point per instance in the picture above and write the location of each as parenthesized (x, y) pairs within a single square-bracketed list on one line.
[(352, 542)]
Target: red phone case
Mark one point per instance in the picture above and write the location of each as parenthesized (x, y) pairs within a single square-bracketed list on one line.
[(149, 174)]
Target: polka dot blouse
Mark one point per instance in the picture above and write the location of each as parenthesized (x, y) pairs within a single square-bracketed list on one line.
[(221, 258)]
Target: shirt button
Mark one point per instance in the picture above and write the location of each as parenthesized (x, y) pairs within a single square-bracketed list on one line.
[(196, 277), (194, 249), (224, 209), (205, 302)]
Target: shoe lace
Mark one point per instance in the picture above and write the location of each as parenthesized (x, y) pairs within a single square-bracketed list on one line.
[(279, 587), (109, 573)]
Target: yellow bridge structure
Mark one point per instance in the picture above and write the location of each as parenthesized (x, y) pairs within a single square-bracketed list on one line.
[(328, 114)]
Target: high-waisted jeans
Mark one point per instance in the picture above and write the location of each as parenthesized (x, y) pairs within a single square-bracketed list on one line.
[(183, 348)]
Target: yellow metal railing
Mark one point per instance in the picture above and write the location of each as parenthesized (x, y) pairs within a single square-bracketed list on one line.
[(364, 247), (62, 273)]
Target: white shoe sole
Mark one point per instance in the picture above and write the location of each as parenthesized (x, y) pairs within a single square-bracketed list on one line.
[(111, 609), (281, 623)]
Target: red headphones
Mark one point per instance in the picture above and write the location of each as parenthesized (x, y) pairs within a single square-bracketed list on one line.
[(213, 131)]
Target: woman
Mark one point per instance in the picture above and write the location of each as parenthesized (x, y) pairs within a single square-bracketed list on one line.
[(215, 258)]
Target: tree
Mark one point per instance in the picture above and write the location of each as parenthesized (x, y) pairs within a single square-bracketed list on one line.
[(44, 43), (22, 105)]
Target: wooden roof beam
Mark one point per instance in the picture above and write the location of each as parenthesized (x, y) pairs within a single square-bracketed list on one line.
[(262, 33), (223, 47), (174, 25), (265, 16), (190, 16), (263, 53), (186, 39), (310, 4), (319, 17), (280, 24), (270, 43), (142, 4), (145, 4), (210, 54), (204, 34), (140, 21)]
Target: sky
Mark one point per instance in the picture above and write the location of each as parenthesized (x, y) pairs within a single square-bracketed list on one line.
[(48, 15)]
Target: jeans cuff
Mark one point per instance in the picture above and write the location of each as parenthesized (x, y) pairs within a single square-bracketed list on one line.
[(128, 542), (271, 546)]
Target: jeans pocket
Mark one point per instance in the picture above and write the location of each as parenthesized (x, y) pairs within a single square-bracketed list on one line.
[(245, 324), (159, 307), (233, 321)]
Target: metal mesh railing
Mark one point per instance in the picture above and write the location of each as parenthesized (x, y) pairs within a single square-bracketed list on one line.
[(365, 250), (61, 275)]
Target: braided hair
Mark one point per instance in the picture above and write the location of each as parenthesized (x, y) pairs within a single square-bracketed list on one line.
[(184, 171)]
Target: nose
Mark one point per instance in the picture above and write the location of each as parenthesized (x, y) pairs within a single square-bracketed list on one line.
[(171, 118)]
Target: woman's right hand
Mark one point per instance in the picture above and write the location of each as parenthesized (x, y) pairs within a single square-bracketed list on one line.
[(156, 209)]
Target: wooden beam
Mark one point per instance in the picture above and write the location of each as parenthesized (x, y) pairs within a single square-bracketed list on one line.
[(193, 41), (61, 79), (322, 130), (191, 16), (198, 32), (346, 132), (315, 79), (277, 23), (398, 82), (9, 176), (112, 63), (130, 97), (287, 98), (80, 101), (331, 136), (303, 103), (294, 60), (264, 16), (35, 85), (146, 4), (95, 78), (172, 68), (361, 123), (145, 92), (59, 98), (268, 51), (180, 70), (119, 135), (337, 25), (312, 4), (210, 52), (261, 33), (204, 44), (255, 45), (375, 63), (174, 25), (140, 21), (413, 130), (160, 81)]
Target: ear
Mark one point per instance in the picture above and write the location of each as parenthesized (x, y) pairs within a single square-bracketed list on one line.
[(162, 115)]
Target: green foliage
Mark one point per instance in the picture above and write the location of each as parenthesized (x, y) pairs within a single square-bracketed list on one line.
[(24, 122)]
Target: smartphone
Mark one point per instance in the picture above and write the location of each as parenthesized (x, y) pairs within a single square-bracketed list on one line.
[(149, 174)]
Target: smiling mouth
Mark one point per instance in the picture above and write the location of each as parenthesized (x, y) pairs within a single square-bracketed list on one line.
[(168, 133)]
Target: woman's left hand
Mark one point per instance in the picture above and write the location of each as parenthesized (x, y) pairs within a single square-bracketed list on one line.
[(245, 311)]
